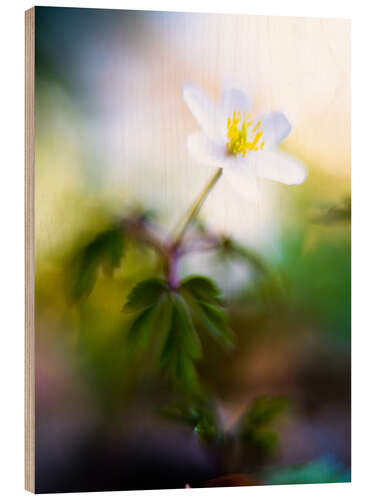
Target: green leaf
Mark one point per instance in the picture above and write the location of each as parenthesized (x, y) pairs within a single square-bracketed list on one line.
[(254, 431), (206, 425), (83, 275), (200, 418), (206, 297), (184, 328), (265, 409), (105, 249), (144, 294), (202, 288), (265, 439), (186, 373), (179, 366), (164, 317), (216, 320), (141, 324), (162, 321), (182, 337), (182, 346), (187, 415), (148, 331), (112, 248)]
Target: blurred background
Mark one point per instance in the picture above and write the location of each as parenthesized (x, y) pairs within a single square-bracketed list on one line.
[(111, 129)]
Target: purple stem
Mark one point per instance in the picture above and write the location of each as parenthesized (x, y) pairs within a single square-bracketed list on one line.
[(173, 269)]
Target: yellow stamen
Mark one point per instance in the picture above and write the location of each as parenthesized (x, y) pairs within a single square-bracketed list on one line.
[(238, 142)]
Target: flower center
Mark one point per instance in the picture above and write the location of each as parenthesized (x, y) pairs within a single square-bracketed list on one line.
[(238, 141)]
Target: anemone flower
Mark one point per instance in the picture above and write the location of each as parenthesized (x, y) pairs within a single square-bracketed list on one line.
[(242, 146)]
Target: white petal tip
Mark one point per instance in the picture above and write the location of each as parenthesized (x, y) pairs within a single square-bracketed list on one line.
[(299, 175), (280, 167)]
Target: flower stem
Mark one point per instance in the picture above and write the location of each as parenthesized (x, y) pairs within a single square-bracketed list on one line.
[(194, 210)]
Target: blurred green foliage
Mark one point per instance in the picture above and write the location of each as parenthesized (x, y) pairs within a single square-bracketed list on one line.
[(320, 280), (254, 430), (335, 214), (106, 250), (324, 470), (267, 291), (201, 418)]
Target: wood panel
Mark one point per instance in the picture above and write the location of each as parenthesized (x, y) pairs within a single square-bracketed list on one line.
[(29, 252)]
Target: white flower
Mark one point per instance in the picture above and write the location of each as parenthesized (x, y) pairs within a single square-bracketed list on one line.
[(242, 146)]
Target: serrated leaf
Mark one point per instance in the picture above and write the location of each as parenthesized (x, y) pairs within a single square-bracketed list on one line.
[(217, 321), (141, 325), (206, 297), (179, 366), (181, 336), (83, 276), (144, 294), (201, 288), (112, 243), (186, 373), (184, 329), (169, 350), (148, 330), (105, 249), (165, 315), (182, 346)]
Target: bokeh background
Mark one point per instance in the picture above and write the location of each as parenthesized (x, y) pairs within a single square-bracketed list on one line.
[(111, 129)]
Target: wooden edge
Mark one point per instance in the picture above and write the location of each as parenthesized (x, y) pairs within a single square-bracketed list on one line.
[(29, 252)]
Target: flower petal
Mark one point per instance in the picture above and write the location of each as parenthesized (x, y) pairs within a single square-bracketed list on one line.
[(204, 111), (205, 151), (243, 180), (275, 127), (233, 100), (278, 166)]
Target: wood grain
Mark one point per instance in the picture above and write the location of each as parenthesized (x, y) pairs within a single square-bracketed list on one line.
[(29, 252)]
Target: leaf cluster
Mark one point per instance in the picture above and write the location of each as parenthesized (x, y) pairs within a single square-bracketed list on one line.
[(254, 430), (165, 320), (335, 214)]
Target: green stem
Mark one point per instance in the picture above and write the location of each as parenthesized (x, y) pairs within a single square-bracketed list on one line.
[(193, 212)]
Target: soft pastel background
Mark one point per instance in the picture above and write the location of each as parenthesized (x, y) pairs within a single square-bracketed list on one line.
[(111, 127)]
